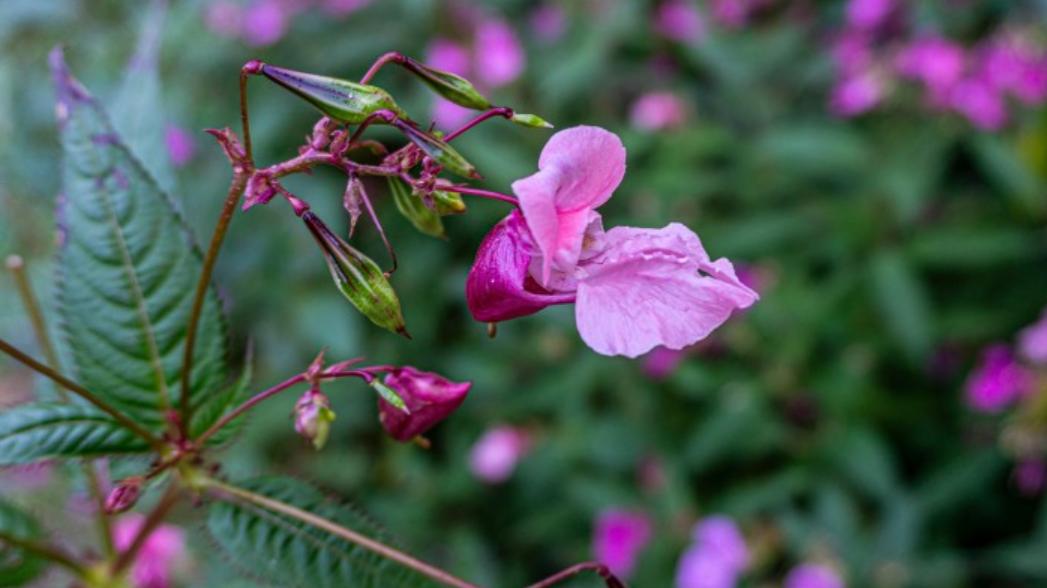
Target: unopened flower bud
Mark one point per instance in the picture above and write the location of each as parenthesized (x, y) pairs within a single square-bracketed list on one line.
[(425, 219), (315, 368), (352, 201), (313, 417), (531, 120), (448, 203), (358, 278), (452, 87), (437, 150), (124, 495), (342, 100), (429, 398)]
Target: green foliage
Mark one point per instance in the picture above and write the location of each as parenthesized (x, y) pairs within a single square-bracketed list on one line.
[(31, 432), (425, 219), (17, 566), (286, 552), (128, 269)]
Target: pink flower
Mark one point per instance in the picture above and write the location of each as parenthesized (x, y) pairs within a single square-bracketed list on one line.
[(679, 20), (618, 539), (430, 398), (448, 115), (548, 22), (634, 288), (660, 362), (998, 381), (264, 23), (224, 18), (656, 111), (493, 458), (937, 62), (1013, 66), (980, 103), (449, 56), (810, 575), (719, 535), (313, 417), (180, 145), (699, 568), (856, 94), (162, 553), (732, 14), (1032, 342), (499, 57), (869, 14), (852, 51)]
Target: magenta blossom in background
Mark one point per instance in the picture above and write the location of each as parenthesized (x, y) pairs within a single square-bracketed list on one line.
[(430, 398), (1030, 475), (811, 575), (224, 18), (660, 362), (548, 22), (634, 289), (1032, 342), (264, 23), (699, 568), (937, 62), (852, 51), (869, 14), (161, 554), (449, 56), (980, 103), (499, 57), (1013, 65), (998, 381), (679, 20), (180, 145), (733, 14), (856, 94), (618, 539), (494, 456), (716, 558), (656, 111)]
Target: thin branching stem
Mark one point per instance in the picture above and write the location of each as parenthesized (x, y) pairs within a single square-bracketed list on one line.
[(152, 521), (386, 58), (482, 193), (501, 111), (80, 391), (600, 569), (16, 265), (227, 492), (45, 551)]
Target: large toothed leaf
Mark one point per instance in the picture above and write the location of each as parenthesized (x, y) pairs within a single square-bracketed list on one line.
[(288, 553), (30, 432), (18, 567), (213, 406), (128, 270)]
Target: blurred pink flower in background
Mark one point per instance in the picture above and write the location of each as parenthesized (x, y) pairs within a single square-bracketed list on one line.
[(343, 7), (856, 94), (679, 20), (180, 145), (453, 57), (869, 14), (1014, 66), (1030, 475), (499, 57), (937, 62), (1032, 342), (656, 111), (852, 51), (162, 553), (224, 18), (618, 539), (980, 103), (809, 575), (264, 23), (997, 381), (661, 362), (27, 476), (716, 558), (732, 14), (494, 456), (548, 22)]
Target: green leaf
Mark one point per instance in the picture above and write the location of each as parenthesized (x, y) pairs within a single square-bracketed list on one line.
[(127, 270), (389, 395), (138, 104), (287, 552), (425, 219), (18, 567), (903, 303), (213, 406), (30, 432)]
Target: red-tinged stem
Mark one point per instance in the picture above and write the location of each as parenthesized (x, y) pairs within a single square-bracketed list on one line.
[(501, 111), (236, 190), (381, 231), (385, 115), (482, 193), (229, 492), (152, 521), (385, 59), (609, 579), (80, 391), (45, 551)]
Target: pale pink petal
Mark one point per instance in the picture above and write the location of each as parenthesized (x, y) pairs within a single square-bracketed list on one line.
[(579, 169), (645, 290)]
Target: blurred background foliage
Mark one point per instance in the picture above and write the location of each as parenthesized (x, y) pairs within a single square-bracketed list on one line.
[(828, 420)]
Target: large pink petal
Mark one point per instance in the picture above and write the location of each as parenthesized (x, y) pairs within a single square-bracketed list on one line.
[(579, 168), (647, 290)]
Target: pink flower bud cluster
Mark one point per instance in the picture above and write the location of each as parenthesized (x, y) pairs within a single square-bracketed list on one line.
[(982, 82)]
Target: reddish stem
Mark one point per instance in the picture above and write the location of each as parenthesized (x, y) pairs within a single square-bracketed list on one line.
[(385, 59), (482, 193), (609, 579), (501, 111)]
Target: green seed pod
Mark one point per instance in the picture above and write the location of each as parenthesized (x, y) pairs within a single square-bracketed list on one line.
[(341, 100), (438, 150), (425, 219), (453, 87), (358, 277)]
